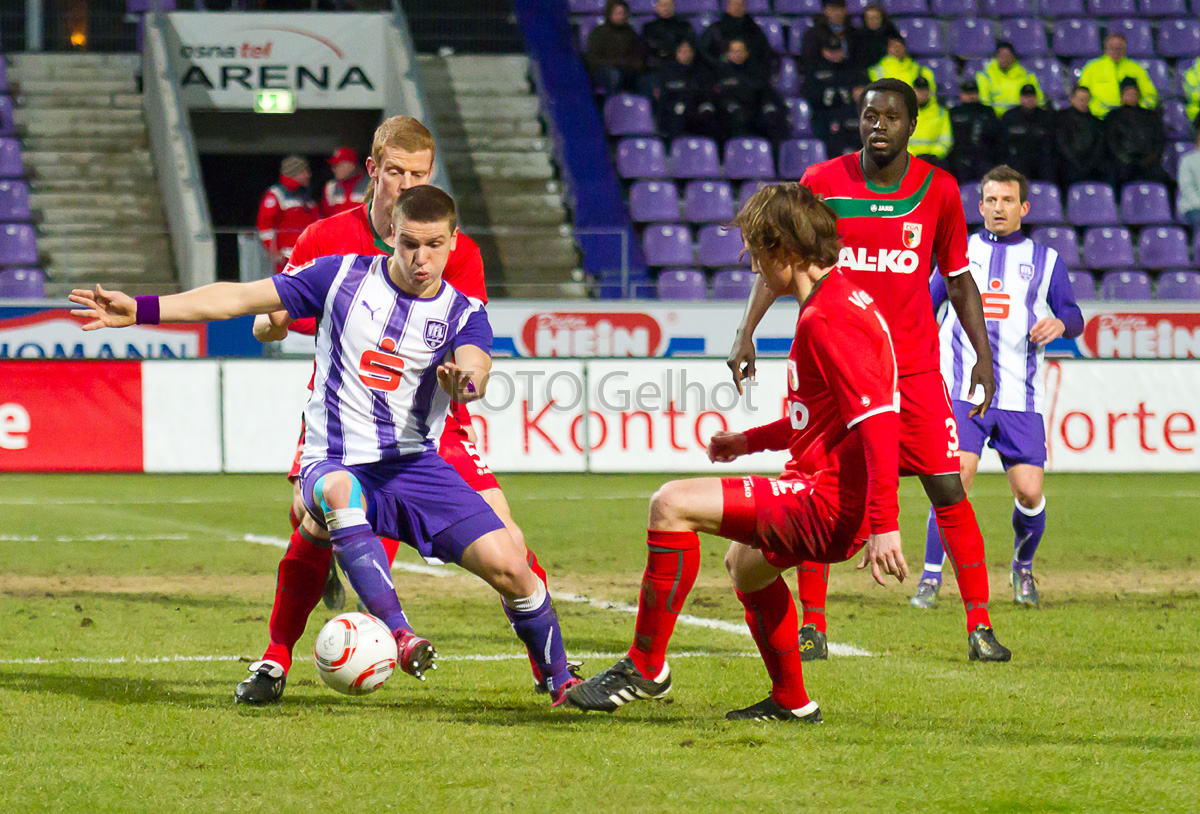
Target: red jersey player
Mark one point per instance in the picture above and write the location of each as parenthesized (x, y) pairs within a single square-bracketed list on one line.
[(896, 215), (837, 494), (401, 157)]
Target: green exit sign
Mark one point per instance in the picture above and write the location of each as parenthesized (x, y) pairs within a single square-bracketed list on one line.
[(274, 101)]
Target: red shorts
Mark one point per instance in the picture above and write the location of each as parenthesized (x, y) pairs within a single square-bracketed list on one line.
[(928, 432), (294, 472), (793, 521)]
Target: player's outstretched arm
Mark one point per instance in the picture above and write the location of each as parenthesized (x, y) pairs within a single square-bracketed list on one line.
[(725, 447), (114, 309), (742, 356), (465, 379), (964, 296)]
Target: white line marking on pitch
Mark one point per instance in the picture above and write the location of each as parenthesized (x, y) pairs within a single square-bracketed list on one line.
[(686, 654)]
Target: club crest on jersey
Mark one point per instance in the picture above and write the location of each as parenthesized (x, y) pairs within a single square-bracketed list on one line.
[(912, 235), (435, 333), (793, 375), (1026, 272)]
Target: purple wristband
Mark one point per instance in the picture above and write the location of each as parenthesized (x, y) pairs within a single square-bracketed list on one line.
[(147, 310)]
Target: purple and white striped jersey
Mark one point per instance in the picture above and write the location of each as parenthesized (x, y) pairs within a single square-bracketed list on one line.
[(375, 394), (1020, 282)]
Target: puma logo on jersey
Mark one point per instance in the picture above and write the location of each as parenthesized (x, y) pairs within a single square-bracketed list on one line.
[(901, 261), (369, 308)]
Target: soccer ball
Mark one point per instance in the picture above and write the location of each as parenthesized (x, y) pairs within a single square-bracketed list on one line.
[(355, 653)]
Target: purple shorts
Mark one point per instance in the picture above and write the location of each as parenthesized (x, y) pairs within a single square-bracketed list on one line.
[(418, 499), (1018, 437)]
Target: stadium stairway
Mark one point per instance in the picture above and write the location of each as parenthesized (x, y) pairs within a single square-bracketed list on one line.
[(98, 208), (491, 139)]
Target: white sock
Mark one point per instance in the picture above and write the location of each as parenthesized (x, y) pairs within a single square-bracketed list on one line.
[(529, 603)]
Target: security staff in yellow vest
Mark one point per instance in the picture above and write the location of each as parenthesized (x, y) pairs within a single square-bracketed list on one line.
[(1191, 91), (932, 137), (899, 65), (1103, 75), (1001, 80)]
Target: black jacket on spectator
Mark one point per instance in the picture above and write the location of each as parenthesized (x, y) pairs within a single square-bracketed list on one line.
[(685, 100), (1079, 146), (1136, 139), (977, 141), (827, 90), (728, 28), (868, 47), (818, 37), (1029, 142), (747, 103), (662, 36), (615, 46)]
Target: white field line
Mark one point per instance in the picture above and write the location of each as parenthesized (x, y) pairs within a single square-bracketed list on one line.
[(687, 654), (92, 538)]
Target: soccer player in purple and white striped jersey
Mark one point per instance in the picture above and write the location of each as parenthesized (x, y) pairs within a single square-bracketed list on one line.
[(1027, 302)]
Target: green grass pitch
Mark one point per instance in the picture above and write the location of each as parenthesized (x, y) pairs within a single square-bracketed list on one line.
[(1098, 710)]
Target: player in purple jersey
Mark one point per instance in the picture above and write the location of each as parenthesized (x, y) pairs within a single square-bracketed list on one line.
[(1027, 302), (395, 344)]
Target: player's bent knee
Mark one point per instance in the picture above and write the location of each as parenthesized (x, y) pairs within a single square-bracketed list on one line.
[(667, 503), (338, 490)]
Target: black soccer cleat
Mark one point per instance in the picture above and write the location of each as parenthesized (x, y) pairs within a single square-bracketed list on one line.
[(769, 709), (982, 646), (813, 644), (334, 595), (264, 686), (617, 686)]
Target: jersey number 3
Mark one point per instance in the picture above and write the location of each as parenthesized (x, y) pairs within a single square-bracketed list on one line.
[(379, 369)]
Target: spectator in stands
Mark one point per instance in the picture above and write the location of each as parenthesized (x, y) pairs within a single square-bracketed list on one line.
[(1136, 138), (1188, 204), (899, 65), (1079, 141), (977, 137), (616, 55), (832, 23), (746, 102), (348, 187), (827, 90), (845, 136), (1001, 80), (1191, 90), (285, 209), (931, 138), (1028, 137), (869, 43), (1103, 76), (735, 24), (664, 33), (684, 99)]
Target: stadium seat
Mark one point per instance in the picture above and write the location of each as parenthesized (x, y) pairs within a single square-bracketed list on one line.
[(11, 165), (787, 81), (708, 202), (1076, 38), (1178, 38), (1175, 119), (1145, 203), (1126, 285), (798, 8), (1083, 285), (1062, 239), (641, 158), (1010, 8), (748, 189), (945, 74), (971, 194), (1112, 8), (1179, 285), (1027, 36), (701, 22), (1057, 9), (796, 30), (585, 6), (748, 158), (972, 38), (922, 35), (955, 8), (717, 247), (756, 8), (654, 201), (906, 8), (641, 6), (18, 245), (628, 115), (668, 244), (1160, 74), (1091, 204), (638, 21), (773, 28), (583, 27), (22, 283), (7, 127), (1139, 37), (1050, 74), (797, 155), (682, 284), (14, 202), (693, 157), (799, 117), (697, 6), (1045, 204), (732, 284), (1163, 8), (1107, 248), (1163, 247)]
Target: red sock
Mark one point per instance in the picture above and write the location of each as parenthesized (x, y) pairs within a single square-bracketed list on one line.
[(302, 574), (964, 546), (771, 615), (813, 583), (390, 547), (671, 570)]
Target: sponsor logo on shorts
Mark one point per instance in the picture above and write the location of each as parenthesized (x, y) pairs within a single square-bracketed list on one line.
[(748, 487)]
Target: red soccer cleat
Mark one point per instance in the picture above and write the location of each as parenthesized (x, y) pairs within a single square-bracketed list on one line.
[(416, 655)]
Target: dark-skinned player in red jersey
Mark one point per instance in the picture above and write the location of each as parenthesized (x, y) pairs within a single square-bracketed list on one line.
[(836, 497), (401, 157), (897, 215)]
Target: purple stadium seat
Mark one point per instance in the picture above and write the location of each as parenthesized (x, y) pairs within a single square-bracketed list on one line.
[(585, 6), (906, 8), (1175, 151), (1145, 203), (641, 158), (1062, 8), (1010, 8), (787, 81), (971, 194), (668, 244), (798, 8), (14, 202), (1083, 285), (1076, 38), (1112, 8), (796, 30), (1126, 285), (955, 8), (755, 8), (945, 74), (1090, 204), (799, 117), (1163, 247), (18, 245), (748, 158), (1178, 38), (7, 128), (1175, 118), (693, 157), (1045, 204), (718, 247), (22, 283), (773, 28), (10, 159), (748, 189), (1105, 248), (1027, 36), (732, 284), (641, 6), (1050, 74), (1062, 239), (1163, 8), (628, 115), (697, 6), (1139, 36), (638, 21), (654, 201), (682, 284), (583, 27), (708, 202), (797, 155), (1179, 285), (701, 22), (972, 38), (922, 35), (856, 6), (1159, 73)]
